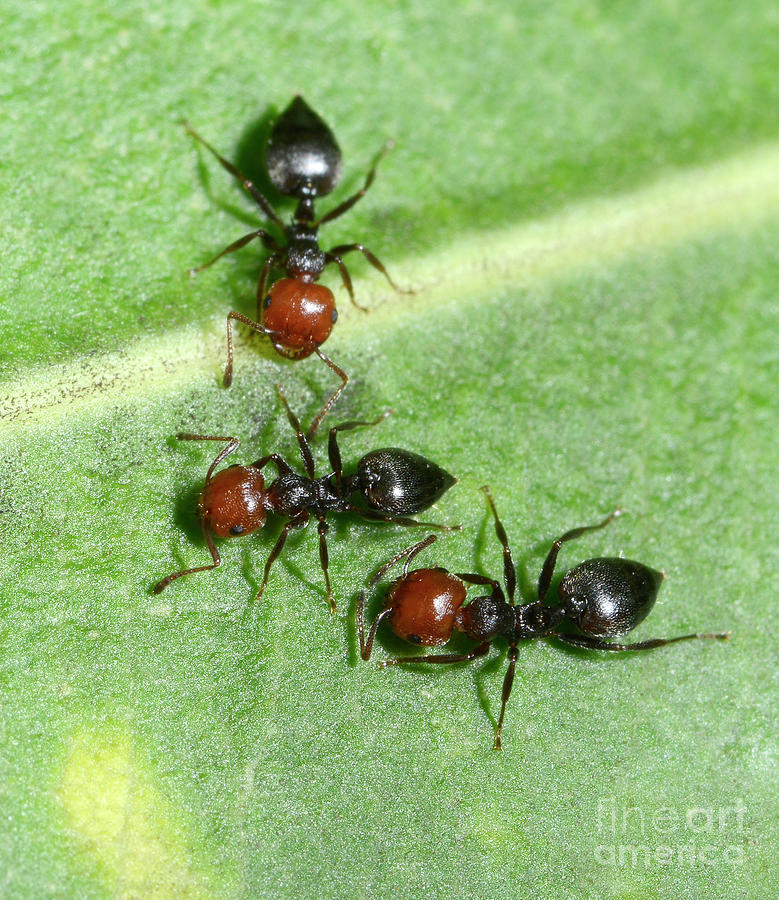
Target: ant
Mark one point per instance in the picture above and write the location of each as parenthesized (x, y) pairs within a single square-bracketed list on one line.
[(303, 161), (394, 483), (602, 598)]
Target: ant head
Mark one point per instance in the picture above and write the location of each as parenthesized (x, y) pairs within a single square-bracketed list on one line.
[(610, 596), (301, 314), (233, 502), (303, 158), (399, 482), (484, 618), (424, 604)]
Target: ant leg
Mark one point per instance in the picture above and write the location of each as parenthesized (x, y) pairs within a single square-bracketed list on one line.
[(324, 559), (249, 186), (305, 450), (281, 464), (337, 252), (334, 451), (278, 547), (161, 585), (345, 277), (549, 564), (366, 646), (255, 326), (589, 643), (444, 658), (350, 201), (262, 283), (374, 515), (232, 444), (409, 553), (471, 578), (412, 552), (312, 428), (509, 570), (508, 683), (267, 239)]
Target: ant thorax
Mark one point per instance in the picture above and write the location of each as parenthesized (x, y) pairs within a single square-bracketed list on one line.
[(292, 494), (536, 620), (305, 258), (484, 618)]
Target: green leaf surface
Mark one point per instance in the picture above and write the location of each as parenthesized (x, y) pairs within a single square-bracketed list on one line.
[(585, 200)]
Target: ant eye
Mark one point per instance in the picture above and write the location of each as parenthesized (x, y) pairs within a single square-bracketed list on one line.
[(414, 639), (334, 316), (266, 302), (237, 529)]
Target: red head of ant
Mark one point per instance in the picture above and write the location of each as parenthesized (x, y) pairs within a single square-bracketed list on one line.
[(234, 501), (303, 161), (601, 598), (394, 484)]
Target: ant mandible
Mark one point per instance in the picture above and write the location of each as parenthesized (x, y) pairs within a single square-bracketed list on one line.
[(394, 483), (303, 161), (602, 598)]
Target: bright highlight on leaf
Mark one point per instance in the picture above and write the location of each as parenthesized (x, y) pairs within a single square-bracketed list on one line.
[(125, 824)]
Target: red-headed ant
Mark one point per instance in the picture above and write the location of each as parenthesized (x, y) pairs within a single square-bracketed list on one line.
[(394, 483), (601, 598), (303, 161)]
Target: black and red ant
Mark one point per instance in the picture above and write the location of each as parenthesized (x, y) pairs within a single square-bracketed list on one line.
[(602, 598), (394, 483), (303, 161)]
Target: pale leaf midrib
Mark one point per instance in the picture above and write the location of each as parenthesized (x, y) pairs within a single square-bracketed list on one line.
[(737, 192)]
